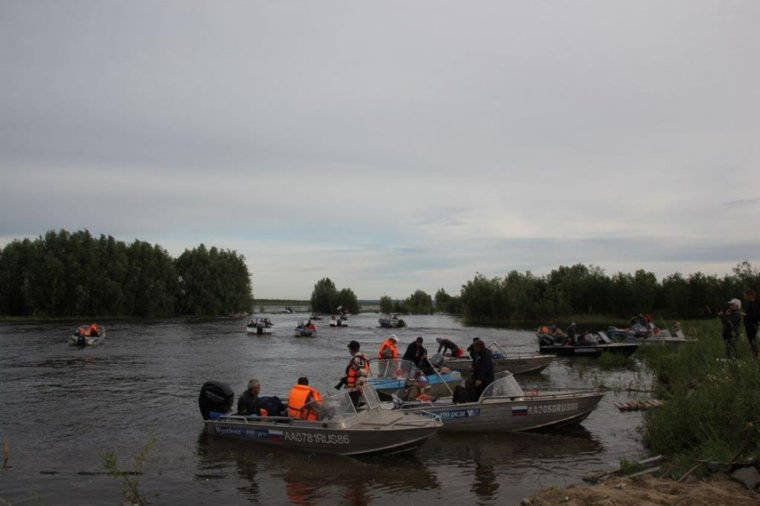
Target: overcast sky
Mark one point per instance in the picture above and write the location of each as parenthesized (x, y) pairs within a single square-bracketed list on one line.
[(389, 145)]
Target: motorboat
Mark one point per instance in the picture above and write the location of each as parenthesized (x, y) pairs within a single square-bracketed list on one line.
[(306, 330), (516, 363), (587, 345), (391, 321), (259, 326), (85, 335), (393, 376), (340, 429), (339, 321), (505, 407)]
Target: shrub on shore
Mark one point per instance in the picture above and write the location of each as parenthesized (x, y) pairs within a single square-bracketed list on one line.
[(712, 411)]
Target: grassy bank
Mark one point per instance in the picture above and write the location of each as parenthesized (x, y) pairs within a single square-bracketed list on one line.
[(712, 413)]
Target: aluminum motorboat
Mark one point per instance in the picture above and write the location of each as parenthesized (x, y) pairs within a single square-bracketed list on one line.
[(391, 322), (516, 363), (340, 429), (505, 407), (393, 376)]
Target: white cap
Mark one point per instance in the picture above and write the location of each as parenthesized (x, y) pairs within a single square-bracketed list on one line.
[(735, 302), (393, 336)]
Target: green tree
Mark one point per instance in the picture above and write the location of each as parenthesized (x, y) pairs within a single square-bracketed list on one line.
[(347, 301), (324, 297), (386, 304), (419, 303)]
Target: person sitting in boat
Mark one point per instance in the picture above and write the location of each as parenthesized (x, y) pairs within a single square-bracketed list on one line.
[(388, 350), (248, 403), (418, 390), (310, 325), (445, 344), (556, 332), (415, 352), (299, 399), (93, 330)]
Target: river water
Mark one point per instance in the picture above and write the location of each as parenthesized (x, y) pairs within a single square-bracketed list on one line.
[(62, 408)]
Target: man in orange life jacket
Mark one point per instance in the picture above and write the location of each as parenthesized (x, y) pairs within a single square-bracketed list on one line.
[(300, 396), (356, 373), (388, 350)]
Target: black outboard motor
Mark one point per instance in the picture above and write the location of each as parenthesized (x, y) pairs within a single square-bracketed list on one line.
[(81, 340), (215, 396), (546, 340)]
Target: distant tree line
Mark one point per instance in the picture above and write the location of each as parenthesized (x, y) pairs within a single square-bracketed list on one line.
[(417, 303), (587, 290), (64, 274), (325, 298)]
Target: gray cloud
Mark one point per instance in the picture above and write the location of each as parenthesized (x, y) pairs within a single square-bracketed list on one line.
[(396, 145)]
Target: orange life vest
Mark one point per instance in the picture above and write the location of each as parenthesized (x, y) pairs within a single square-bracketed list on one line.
[(353, 374), (390, 345), (299, 396), (544, 330)]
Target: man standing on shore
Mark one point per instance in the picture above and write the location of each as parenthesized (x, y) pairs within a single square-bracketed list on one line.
[(731, 319), (751, 317)]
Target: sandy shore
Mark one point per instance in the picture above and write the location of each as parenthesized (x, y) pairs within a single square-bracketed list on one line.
[(714, 491)]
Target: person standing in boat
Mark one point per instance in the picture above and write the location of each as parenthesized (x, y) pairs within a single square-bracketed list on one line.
[(248, 403), (471, 349), (731, 320), (356, 373), (388, 350), (751, 317), (415, 352), (446, 344), (483, 374)]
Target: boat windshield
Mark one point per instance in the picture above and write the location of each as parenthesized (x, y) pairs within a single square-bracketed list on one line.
[(335, 408), (371, 397), (392, 368), (503, 387)]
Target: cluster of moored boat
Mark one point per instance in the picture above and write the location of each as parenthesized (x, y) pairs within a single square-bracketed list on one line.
[(384, 423), (623, 341)]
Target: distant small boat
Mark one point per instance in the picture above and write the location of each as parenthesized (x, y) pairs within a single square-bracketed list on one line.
[(306, 330), (86, 335), (341, 321), (259, 326), (391, 322)]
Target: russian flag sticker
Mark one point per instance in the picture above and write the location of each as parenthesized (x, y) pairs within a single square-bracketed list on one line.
[(519, 410)]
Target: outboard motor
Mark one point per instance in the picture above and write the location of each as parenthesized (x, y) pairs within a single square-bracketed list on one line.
[(216, 397), (81, 340), (546, 340)]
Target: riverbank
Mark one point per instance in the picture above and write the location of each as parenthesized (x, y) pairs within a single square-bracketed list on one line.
[(715, 490)]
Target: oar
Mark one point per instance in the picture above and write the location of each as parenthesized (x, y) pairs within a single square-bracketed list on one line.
[(440, 377)]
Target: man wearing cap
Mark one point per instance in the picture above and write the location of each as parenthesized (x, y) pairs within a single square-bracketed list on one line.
[(388, 350), (356, 373), (731, 320), (751, 318)]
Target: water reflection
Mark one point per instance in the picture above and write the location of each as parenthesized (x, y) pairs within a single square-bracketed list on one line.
[(309, 478)]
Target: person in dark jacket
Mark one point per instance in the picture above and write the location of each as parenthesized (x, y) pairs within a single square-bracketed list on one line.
[(483, 368), (448, 345), (731, 320), (751, 317), (471, 348), (415, 352), (248, 403)]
